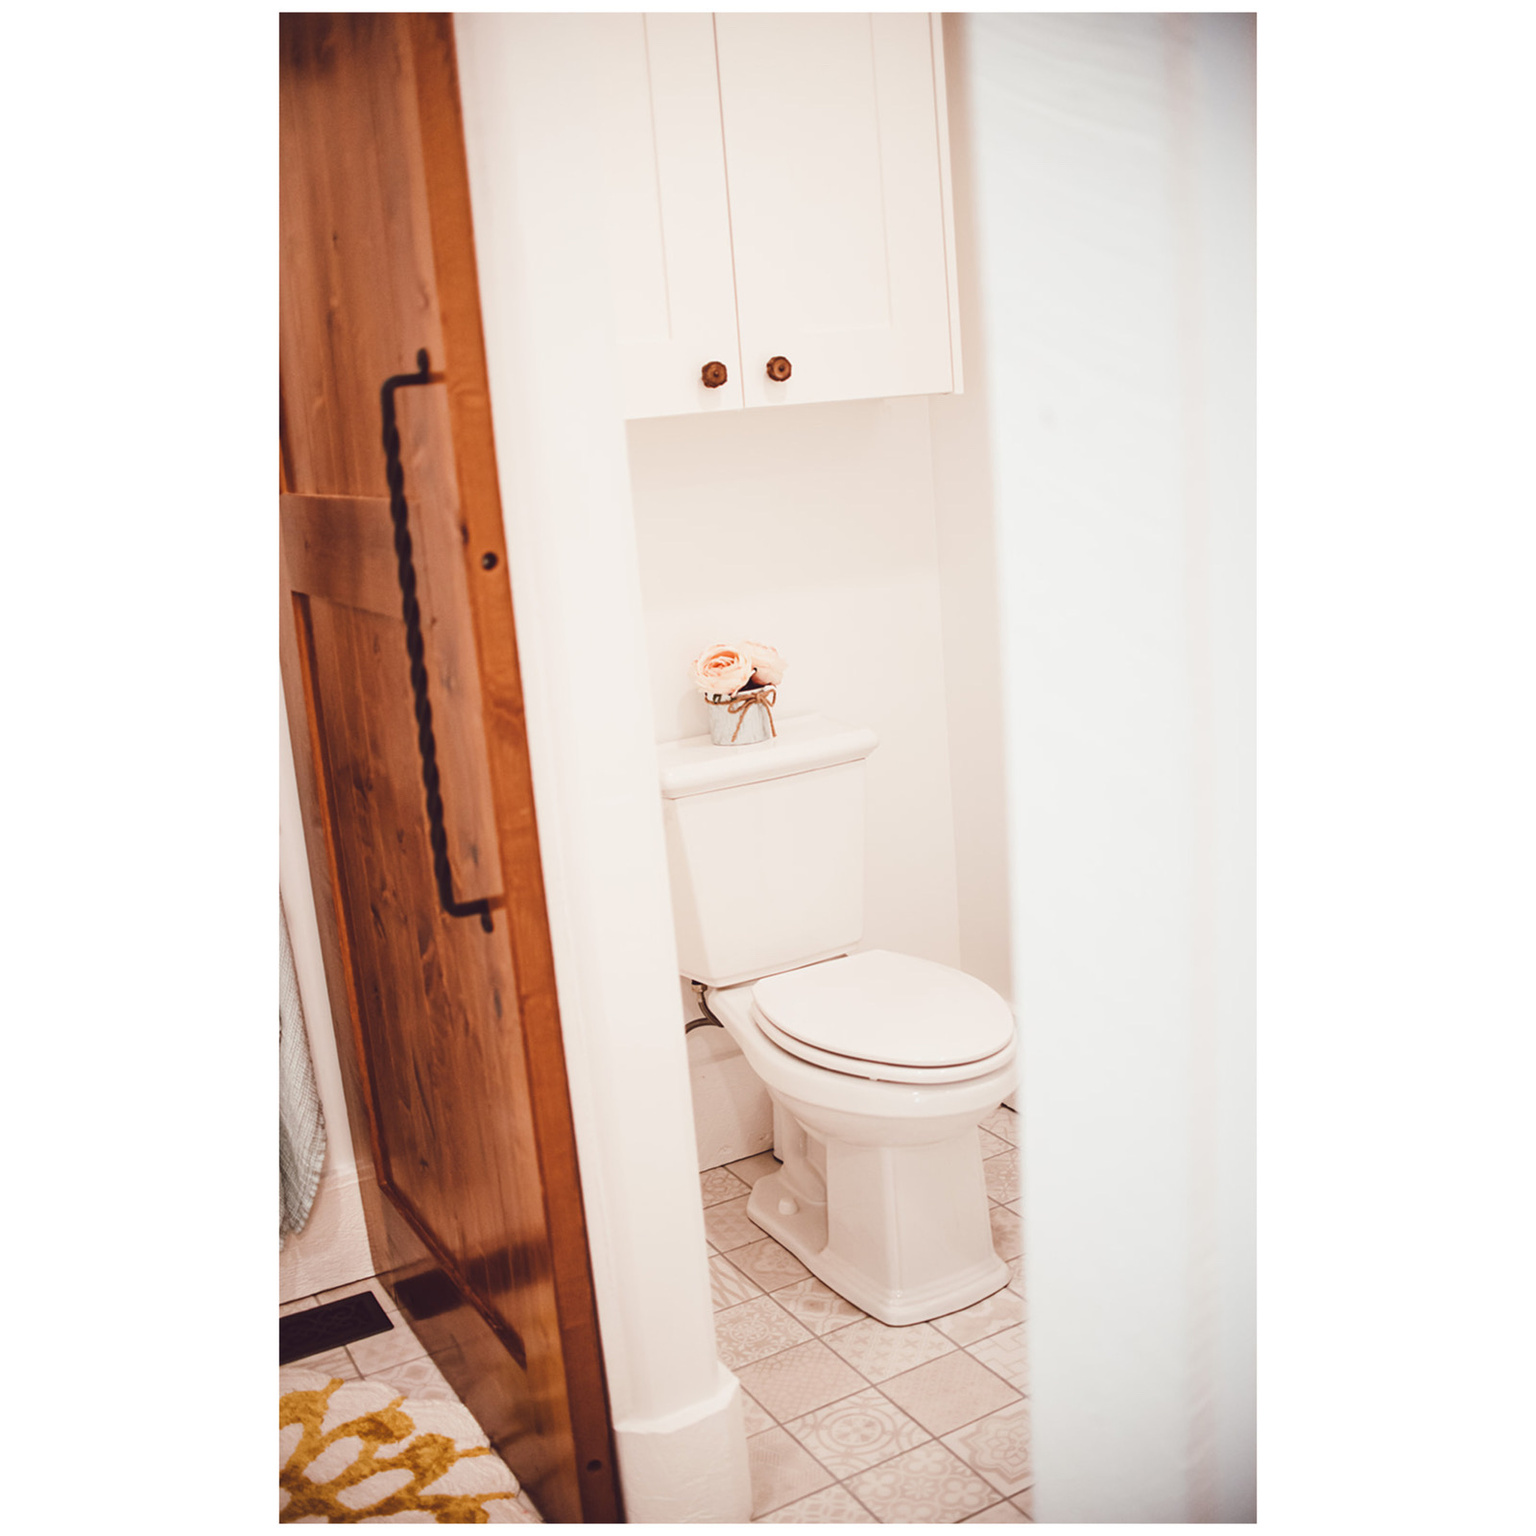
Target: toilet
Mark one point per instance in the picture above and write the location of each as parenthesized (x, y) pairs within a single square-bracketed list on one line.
[(880, 1066)]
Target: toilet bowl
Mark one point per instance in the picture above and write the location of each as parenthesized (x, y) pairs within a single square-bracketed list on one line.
[(881, 1194), (880, 1066)]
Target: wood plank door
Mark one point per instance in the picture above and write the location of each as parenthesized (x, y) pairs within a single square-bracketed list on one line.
[(832, 149), (447, 1019)]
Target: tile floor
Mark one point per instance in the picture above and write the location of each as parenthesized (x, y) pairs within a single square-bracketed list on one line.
[(850, 1421)]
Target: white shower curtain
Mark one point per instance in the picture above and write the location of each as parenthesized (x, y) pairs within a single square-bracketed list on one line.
[(301, 1124)]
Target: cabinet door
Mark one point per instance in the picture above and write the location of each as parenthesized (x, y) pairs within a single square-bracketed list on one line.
[(668, 220), (837, 204)]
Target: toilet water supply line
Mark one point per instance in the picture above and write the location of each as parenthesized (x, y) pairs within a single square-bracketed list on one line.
[(709, 1018)]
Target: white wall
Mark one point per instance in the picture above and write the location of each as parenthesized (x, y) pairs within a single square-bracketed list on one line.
[(812, 527), (1114, 159), (968, 587)]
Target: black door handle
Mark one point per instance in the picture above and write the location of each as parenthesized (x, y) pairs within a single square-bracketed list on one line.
[(426, 742)]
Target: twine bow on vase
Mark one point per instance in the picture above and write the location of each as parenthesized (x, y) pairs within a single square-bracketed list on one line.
[(739, 705)]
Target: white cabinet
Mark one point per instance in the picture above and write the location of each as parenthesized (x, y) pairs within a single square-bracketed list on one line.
[(658, 110), (778, 188), (837, 204)]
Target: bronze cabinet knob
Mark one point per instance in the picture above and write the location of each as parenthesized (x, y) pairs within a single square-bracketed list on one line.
[(779, 369), (714, 375)]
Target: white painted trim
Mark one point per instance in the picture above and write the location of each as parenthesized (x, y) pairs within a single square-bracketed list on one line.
[(669, 1461), (564, 474)]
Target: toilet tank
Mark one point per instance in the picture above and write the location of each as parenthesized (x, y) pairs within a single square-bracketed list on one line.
[(765, 845)]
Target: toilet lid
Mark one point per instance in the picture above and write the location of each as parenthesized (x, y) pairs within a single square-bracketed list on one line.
[(888, 1008)]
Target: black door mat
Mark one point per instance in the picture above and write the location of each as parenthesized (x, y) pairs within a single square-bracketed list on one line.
[(318, 1329)]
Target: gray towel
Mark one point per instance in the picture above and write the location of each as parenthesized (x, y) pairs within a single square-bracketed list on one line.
[(301, 1124)]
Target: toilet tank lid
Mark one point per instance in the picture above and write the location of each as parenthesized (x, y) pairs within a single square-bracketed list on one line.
[(694, 766)]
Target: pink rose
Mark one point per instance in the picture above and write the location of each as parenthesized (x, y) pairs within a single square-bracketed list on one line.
[(721, 670), (767, 664)]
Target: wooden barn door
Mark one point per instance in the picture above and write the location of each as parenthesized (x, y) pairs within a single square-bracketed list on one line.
[(411, 752)]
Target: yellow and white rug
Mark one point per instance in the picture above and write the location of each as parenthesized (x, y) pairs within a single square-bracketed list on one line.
[(359, 1452)]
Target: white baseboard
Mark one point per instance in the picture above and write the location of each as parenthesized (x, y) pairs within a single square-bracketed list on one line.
[(333, 1248), (689, 1468)]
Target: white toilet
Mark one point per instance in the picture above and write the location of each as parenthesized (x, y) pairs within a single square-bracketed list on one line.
[(880, 1066)]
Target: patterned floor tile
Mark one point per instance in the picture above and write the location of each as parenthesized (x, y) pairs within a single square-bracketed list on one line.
[(832, 1506), (371, 1284), (1007, 1231), (753, 1331), (816, 1305), (801, 1379), (1000, 1514), (782, 1471), (1002, 1176), (374, 1355), (1016, 1268), (1003, 1122), (303, 1304), (997, 1447), (879, 1351), (928, 1486), (728, 1226), (1025, 1504), (334, 1362), (728, 1286), (754, 1415), (717, 1184), (949, 1392), (418, 1378), (751, 1169), (857, 1432), (1007, 1353), (769, 1263), (1002, 1309), (992, 1146)]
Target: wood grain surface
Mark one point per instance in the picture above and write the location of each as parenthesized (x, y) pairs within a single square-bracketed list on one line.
[(453, 1059)]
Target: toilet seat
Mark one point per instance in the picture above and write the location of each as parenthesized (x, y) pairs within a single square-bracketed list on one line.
[(881, 1071), (888, 1017)]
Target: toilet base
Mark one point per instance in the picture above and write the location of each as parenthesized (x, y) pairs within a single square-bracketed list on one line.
[(881, 1193), (909, 1237)]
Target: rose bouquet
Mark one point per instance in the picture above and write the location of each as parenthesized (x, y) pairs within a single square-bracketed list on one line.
[(739, 682)]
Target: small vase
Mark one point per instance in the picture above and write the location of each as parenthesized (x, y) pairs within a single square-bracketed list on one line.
[(743, 719)]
